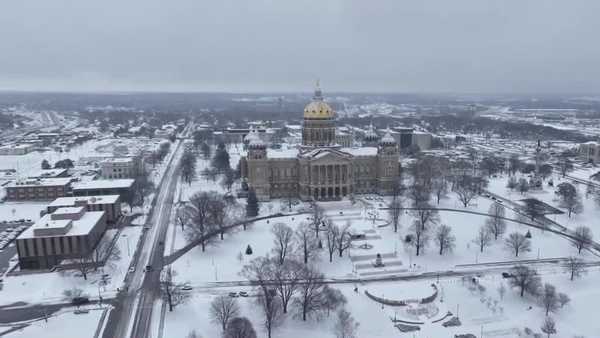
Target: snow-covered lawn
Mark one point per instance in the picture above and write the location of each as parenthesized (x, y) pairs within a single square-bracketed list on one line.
[(501, 317), (65, 324), (47, 287)]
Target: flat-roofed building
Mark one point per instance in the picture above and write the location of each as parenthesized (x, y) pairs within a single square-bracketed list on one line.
[(119, 167), (38, 189), (589, 152), (67, 233), (111, 204), (17, 149), (103, 187)]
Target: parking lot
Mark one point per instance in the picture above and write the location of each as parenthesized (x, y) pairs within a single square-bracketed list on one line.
[(8, 233)]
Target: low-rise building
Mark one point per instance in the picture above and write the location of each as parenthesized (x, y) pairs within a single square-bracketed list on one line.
[(103, 187), (67, 233), (38, 189), (422, 140), (119, 167), (110, 204), (589, 152), (51, 173), (17, 149)]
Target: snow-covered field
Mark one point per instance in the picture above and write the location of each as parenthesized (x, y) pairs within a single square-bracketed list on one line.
[(478, 310), (64, 324)]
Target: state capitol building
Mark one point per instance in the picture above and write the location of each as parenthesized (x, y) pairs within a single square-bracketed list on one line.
[(320, 169)]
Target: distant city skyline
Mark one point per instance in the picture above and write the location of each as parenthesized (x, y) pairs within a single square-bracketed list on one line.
[(385, 46)]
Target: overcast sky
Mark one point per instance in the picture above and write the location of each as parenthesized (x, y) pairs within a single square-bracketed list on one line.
[(495, 46)]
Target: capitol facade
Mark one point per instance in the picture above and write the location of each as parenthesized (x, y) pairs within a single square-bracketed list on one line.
[(319, 169)]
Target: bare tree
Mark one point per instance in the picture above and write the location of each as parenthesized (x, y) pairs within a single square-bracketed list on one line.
[(217, 213), (425, 215), (496, 224), (318, 216), (284, 241), (332, 232), (518, 243), (270, 305), (259, 271), (514, 164), (483, 238), (332, 299), (569, 198), (240, 327), (512, 183), (171, 291), (582, 238), (306, 244), (345, 326), (440, 188), (223, 309), (310, 299), (198, 215), (563, 299), (549, 326), (466, 189), (188, 167), (193, 334), (107, 253), (522, 186), (142, 186), (84, 263), (576, 267), (418, 237), (549, 298), (229, 178), (286, 277), (526, 279), (344, 239), (395, 211), (444, 238)]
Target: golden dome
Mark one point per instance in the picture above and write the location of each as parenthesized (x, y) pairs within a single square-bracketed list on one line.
[(318, 109)]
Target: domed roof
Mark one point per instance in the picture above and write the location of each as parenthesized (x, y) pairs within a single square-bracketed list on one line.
[(388, 138), (370, 134), (318, 109)]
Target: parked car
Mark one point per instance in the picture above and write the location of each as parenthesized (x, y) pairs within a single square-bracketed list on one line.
[(187, 288), (132, 269), (77, 301), (243, 294), (233, 294), (507, 275)]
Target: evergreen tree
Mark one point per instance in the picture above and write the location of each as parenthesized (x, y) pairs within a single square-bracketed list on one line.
[(221, 159), (252, 204), (45, 165)]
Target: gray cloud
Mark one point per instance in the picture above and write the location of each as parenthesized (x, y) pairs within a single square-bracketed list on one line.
[(283, 45)]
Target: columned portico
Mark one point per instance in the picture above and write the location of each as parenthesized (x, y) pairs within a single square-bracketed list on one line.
[(329, 181)]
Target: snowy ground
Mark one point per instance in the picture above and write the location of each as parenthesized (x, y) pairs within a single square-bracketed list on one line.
[(501, 318), (48, 287), (84, 324)]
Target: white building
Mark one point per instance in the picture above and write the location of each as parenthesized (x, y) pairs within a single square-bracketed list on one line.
[(119, 167), (589, 152), (17, 149), (421, 139), (67, 233)]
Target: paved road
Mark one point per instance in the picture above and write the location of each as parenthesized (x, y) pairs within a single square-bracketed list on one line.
[(133, 312)]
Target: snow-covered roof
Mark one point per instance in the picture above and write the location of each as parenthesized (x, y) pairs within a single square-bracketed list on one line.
[(361, 151), (64, 227), (104, 184), (282, 153), (38, 182), (69, 201)]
